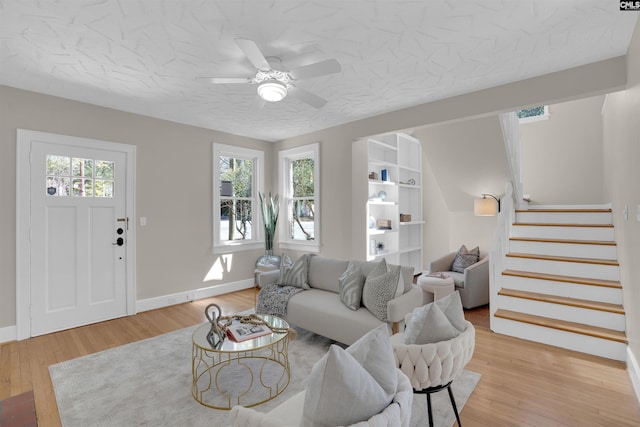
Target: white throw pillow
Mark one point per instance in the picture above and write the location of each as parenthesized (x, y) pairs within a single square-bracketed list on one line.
[(375, 353), (451, 306), (341, 392), (247, 417), (297, 274), (428, 324)]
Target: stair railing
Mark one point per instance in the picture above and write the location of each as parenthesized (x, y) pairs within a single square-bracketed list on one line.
[(500, 248), (510, 125)]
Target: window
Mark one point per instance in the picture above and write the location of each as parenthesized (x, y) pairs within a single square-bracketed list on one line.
[(533, 114), (237, 180), (300, 190), (76, 177)]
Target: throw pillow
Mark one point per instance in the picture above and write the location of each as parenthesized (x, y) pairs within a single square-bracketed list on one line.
[(465, 258), (245, 417), (296, 275), (375, 353), (379, 290), (341, 392), (351, 283), (451, 306), (428, 324)]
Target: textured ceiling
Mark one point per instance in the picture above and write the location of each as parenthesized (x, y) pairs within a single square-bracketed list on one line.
[(150, 56)]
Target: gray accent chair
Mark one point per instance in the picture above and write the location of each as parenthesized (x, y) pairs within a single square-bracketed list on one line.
[(473, 284)]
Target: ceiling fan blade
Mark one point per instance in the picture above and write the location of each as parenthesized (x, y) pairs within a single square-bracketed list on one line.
[(308, 97), (253, 53), (227, 80), (321, 68)]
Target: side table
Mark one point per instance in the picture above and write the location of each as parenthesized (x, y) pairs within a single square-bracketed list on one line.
[(439, 287)]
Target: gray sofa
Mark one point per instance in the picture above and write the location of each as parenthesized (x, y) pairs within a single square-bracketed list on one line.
[(473, 284), (320, 310)]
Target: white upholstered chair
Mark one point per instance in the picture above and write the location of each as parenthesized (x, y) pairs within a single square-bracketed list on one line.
[(432, 367), (473, 283)]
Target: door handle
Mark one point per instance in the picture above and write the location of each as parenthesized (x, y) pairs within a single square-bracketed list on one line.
[(119, 242)]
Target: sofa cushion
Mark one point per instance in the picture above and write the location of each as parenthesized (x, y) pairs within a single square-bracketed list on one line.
[(296, 275), (465, 258), (351, 283), (324, 273), (379, 290)]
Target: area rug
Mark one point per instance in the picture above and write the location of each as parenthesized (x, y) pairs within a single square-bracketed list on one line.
[(149, 383)]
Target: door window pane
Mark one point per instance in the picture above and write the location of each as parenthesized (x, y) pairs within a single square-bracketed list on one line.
[(58, 186), (82, 187), (104, 169), (82, 167), (58, 165)]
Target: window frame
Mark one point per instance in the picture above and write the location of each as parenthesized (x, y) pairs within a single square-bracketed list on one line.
[(257, 230), (285, 157), (544, 116)]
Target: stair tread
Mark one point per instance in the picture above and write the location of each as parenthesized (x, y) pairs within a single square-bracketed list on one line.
[(564, 258), (563, 325), (566, 279), (556, 224), (572, 241), (556, 299)]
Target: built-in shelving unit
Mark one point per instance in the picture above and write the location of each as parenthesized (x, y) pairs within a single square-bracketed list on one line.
[(386, 182)]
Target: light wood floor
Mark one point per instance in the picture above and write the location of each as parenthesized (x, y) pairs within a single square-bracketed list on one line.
[(522, 384)]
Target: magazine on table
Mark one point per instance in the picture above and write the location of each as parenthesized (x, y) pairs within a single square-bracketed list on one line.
[(246, 331)]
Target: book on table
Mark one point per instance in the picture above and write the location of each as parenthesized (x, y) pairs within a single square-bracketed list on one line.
[(245, 331)]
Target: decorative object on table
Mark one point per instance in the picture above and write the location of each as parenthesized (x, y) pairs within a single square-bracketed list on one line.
[(382, 194), (384, 174), (233, 323), (405, 217), (373, 175), (383, 224), (411, 181), (216, 335), (270, 209)]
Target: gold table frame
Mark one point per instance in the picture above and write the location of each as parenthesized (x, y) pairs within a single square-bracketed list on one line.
[(207, 363)]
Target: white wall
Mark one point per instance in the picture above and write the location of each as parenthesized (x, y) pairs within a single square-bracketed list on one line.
[(567, 148), (622, 186)]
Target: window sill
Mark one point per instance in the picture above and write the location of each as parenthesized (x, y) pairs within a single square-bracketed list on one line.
[(300, 246), (237, 247)]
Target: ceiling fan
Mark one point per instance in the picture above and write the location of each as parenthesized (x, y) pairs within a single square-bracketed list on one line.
[(274, 85)]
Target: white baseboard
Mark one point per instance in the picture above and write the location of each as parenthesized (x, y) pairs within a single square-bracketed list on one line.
[(10, 333), (634, 372), (188, 296)]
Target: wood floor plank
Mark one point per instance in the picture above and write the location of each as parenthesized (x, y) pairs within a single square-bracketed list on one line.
[(523, 383)]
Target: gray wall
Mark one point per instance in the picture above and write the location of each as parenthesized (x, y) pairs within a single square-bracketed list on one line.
[(568, 148)]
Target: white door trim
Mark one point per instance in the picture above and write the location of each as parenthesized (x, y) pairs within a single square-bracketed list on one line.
[(23, 218)]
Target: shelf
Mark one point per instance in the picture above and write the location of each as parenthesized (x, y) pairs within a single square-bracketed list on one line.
[(383, 145), (408, 249), (416, 187), (409, 169), (412, 222), (380, 256), (379, 182), (377, 232), (381, 203)]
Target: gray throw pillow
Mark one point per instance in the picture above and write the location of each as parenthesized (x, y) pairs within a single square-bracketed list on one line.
[(451, 306), (428, 324), (351, 283), (379, 290), (296, 275), (465, 258)]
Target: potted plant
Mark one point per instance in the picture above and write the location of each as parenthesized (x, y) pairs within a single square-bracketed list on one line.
[(270, 210)]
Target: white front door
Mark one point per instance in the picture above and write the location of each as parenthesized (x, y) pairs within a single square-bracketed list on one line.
[(79, 234)]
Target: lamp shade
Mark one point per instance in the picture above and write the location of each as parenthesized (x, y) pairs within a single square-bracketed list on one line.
[(485, 207), (272, 91)]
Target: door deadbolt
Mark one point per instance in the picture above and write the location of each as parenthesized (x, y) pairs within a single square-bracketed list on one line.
[(119, 231), (119, 242)]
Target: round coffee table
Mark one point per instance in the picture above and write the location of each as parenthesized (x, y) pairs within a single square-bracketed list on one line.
[(245, 373), (439, 287)]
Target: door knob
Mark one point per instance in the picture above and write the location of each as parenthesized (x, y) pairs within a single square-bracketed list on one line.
[(119, 241)]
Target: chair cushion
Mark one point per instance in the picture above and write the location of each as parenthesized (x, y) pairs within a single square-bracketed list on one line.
[(465, 258), (324, 273), (351, 283)]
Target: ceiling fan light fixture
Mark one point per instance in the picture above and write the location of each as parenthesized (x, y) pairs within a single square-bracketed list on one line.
[(272, 91)]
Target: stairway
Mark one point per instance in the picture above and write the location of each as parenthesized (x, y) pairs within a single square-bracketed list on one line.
[(561, 282)]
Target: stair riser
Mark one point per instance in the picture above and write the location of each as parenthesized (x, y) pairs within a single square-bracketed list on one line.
[(563, 289), (564, 249), (575, 269), (578, 342), (560, 232), (565, 217), (585, 316)]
